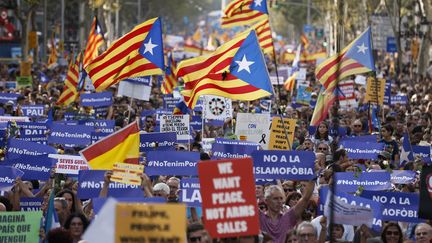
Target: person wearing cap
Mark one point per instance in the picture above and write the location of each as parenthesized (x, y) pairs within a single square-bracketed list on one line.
[(390, 145)]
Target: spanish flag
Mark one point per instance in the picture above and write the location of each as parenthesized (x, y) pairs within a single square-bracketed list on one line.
[(121, 146)]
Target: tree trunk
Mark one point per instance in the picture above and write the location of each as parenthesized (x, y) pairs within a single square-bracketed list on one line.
[(423, 59)]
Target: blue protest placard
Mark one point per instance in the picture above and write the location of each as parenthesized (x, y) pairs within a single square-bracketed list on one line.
[(196, 123), (190, 192), (31, 203), (288, 165), (98, 202), (33, 110), (363, 139), (169, 102), (68, 116), (172, 163), (34, 167), (227, 148), (96, 136), (5, 97), (399, 99), (101, 111), (96, 99), (424, 152), (8, 174), (32, 128), (372, 181), (161, 141), (362, 150), (397, 206), (391, 44), (403, 176), (104, 126), (17, 148), (67, 134), (387, 92), (146, 80), (353, 200), (42, 139), (91, 182)]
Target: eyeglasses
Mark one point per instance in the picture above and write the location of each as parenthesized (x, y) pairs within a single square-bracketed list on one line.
[(195, 239), (323, 149), (421, 233), (288, 189), (392, 232), (357, 125)]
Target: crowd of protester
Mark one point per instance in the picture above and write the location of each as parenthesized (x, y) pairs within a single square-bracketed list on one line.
[(288, 209)]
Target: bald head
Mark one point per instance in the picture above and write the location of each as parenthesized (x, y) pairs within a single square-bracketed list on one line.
[(2, 207), (423, 233)]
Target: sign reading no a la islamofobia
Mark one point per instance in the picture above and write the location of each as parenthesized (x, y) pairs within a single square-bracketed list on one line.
[(280, 134)]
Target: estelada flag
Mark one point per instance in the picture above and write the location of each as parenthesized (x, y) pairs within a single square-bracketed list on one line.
[(121, 146), (425, 209)]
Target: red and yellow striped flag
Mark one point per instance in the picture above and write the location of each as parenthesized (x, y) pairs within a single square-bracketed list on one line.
[(136, 54), (234, 70), (244, 12), (323, 105), (264, 35), (119, 147), (70, 92), (52, 59), (170, 79), (94, 42)]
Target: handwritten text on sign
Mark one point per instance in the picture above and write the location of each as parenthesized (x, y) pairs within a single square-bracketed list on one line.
[(176, 123), (280, 134), (229, 203)]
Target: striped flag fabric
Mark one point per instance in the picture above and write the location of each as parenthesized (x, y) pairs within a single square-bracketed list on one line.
[(130, 56), (244, 12), (70, 91), (304, 40), (264, 34), (356, 58), (326, 99), (94, 42), (170, 79), (235, 70), (52, 58), (195, 49), (119, 147), (290, 82)]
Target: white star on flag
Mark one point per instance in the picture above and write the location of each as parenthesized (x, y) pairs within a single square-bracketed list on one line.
[(149, 47), (258, 2), (244, 64), (362, 48), (404, 155)]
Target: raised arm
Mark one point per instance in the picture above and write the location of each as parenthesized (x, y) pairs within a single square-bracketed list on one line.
[(304, 200)]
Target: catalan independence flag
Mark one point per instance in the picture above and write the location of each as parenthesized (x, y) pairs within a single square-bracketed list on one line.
[(121, 146), (354, 59), (52, 58), (326, 99), (235, 70), (170, 79), (244, 12), (136, 54), (290, 82), (70, 91), (94, 42)]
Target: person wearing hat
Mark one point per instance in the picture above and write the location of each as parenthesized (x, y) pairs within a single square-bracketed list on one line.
[(390, 145)]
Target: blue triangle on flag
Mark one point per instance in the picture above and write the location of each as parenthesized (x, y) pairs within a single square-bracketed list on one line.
[(249, 65), (152, 46)]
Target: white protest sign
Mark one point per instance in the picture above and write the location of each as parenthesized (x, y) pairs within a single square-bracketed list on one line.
[(176, 123), (360, 79), (134, 90), (345, 213), (254, 127), (103, 226), (219, 108), (301, 74), (69, 164)]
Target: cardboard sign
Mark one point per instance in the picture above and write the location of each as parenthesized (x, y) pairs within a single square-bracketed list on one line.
[(216, 107), (25, 69), (228, 200), (150, 223), (375, 90), (176, 123), (24, 81), (20, 226), (254, 128), (281, 134), (127, 173), (69, 164)]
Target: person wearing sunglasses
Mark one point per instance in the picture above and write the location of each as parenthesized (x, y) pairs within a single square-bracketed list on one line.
[(357, 128), (322, 148), (392, 233)]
